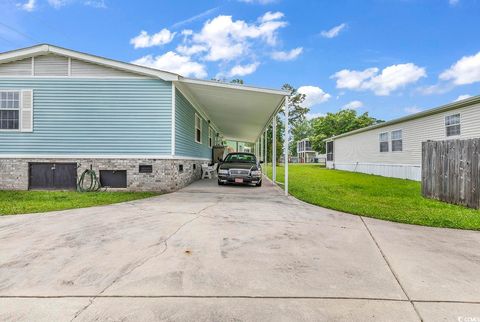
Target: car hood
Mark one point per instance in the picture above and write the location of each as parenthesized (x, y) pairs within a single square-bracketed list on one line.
[(238, 165)]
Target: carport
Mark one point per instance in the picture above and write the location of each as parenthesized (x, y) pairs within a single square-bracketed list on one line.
[(241, 113)]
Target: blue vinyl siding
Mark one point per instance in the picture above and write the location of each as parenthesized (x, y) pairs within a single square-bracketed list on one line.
[(185, 144), (94, 116)]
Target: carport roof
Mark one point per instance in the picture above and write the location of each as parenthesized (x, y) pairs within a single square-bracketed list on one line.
[(239, 112)]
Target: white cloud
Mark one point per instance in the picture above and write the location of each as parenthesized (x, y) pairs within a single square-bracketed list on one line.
[(225, 39), (465, 71), (310, 116), (439, 88), (287, 55), (96, 3), (58, 3), (243, 70), (270, 16), (192, 50), (334, 32), (412, 110), (463, 97), (453, 2), (29, 6), (313, 95), (381, 83), (353, 105), (144, 40), (258, 1), (175, 63)]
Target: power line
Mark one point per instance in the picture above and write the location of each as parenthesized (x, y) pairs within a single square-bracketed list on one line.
[(18, 32)]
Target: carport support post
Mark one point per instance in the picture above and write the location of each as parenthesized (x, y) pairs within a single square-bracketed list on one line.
[(266, 152), (285, 144), (274, 149)]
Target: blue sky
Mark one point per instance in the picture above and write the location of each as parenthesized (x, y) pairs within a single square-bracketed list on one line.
[(387, 57)]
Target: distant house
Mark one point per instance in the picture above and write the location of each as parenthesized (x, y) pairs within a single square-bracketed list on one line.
[(394, 148), (305, 153), (138, 128)]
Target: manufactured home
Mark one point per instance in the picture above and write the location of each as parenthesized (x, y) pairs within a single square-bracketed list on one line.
[(305, 153), (138, 128), (394, 148)]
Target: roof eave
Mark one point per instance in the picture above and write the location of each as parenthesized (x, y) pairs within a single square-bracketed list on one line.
[(440, 109), (46, 49), (233, 86)]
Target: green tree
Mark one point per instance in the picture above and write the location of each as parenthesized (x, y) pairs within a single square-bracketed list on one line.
[(300, 131), (296, 117), (296, 112), (280, 138), (338, 123)]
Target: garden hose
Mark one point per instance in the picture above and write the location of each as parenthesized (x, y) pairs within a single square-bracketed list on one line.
[(82, 185)]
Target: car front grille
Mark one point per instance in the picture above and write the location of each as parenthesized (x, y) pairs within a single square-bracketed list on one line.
[(239, 172)]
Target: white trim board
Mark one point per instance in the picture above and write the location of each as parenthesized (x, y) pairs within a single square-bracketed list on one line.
[(105, 156), (49, 49), (174, 119)]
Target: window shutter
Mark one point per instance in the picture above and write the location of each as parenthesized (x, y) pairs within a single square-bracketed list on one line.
[(26, 111)]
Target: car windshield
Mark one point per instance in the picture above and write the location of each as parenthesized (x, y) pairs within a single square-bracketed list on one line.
[(243, 158)]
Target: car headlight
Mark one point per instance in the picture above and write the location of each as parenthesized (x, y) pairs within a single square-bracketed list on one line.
[(221, 171), (256, 173)]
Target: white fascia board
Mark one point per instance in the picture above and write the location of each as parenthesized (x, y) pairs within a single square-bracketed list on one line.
[(233, 86), (99, 156), (45, 49), (23, 53)]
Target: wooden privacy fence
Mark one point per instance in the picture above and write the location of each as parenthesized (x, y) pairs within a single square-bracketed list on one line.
[(451, 171)]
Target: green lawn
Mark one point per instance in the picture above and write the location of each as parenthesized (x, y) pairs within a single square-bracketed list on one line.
[(374, 196), (22, 202)]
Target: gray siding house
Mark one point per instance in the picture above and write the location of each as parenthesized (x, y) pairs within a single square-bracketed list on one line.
[(394, 148), (63, 111)]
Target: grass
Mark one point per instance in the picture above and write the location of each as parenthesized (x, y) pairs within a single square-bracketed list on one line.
[(22, 202), (374, 196)]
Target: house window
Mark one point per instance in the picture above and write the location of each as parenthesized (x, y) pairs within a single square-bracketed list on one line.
[(397, 141), (383, 142), (9, 110), (452, 125), (198, 129), (210, 137), (330, 151)]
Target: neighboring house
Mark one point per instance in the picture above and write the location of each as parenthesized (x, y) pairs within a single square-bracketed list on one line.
[(305, 153), (394, 148), (139, 128)]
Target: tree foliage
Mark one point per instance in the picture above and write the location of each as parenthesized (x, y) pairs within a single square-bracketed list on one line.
[(337, 123), (300, 131), (296, 112)]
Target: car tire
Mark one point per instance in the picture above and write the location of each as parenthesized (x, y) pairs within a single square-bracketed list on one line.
[(220, 183), (259, 184)]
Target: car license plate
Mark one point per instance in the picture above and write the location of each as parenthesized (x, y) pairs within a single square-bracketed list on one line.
[(238, 180)]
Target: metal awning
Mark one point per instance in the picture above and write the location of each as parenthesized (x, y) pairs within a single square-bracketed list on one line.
[(240, 113)]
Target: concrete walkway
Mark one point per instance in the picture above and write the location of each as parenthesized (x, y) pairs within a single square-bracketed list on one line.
[(209, 253)]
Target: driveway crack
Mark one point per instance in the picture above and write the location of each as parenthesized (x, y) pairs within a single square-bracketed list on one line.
[(391, 269), (148, 258)]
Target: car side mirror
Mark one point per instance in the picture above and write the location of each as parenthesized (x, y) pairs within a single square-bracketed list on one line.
[(220, 160)]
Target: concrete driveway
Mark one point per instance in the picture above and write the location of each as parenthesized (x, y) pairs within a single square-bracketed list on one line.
[(209, 253)]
